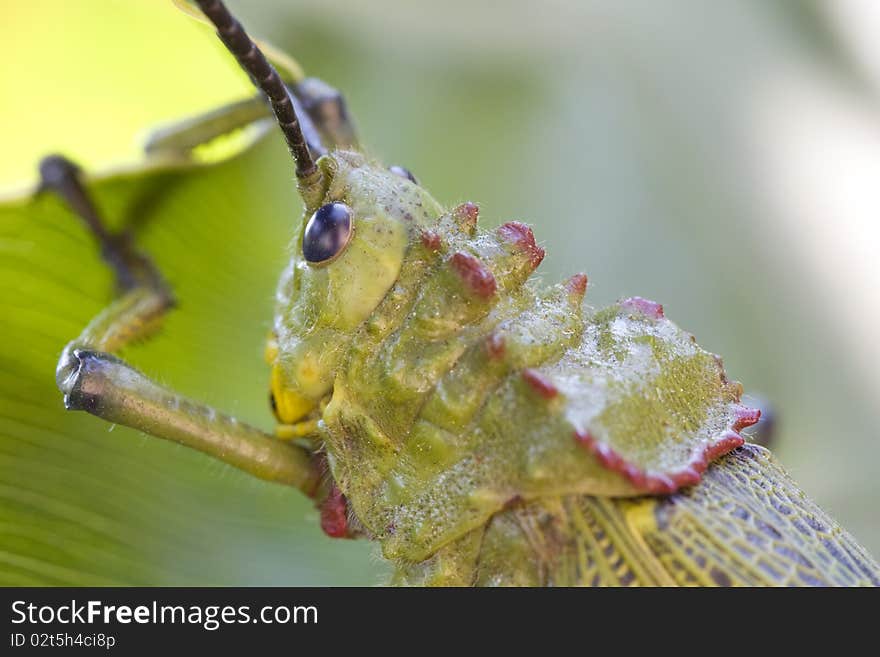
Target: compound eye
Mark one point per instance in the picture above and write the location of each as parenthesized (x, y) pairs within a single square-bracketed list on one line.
[(403, 173), (327, 233)]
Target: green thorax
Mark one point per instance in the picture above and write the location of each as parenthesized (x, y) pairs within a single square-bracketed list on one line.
[(457, 386)]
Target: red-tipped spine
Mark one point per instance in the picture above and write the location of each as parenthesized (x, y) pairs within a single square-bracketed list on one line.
[(466, 215), (431, 240), (577, 286), (647, 307), (524, 239), (745, 416), (475, 275)]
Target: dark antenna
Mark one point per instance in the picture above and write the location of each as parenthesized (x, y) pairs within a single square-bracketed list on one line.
[(265, 77)]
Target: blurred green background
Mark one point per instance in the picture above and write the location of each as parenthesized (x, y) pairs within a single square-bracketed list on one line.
[(721, 158)]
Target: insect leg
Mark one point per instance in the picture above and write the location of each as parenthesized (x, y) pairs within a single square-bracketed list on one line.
[(107, 387), (322, 110), (326, 108), (132, 269), (181, 138), (94, 380)]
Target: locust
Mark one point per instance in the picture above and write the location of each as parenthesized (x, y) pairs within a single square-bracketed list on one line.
[(432, 396)]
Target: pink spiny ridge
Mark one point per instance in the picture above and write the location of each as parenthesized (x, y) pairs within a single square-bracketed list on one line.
[(334, 514), (650, 308), (467, 215), (474, 274), (745, 416), (495, 346), (577, 285), (523, 237), (539, 383), (431, 240), (729, 441), (660, 484)]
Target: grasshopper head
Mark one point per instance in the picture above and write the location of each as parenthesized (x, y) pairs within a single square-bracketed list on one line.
[(360, 221), (347, 255)]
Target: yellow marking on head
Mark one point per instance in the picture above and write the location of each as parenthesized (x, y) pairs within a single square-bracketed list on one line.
[(289, 406)]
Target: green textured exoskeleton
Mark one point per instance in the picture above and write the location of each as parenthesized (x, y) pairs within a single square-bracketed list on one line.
[(433, 397)]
